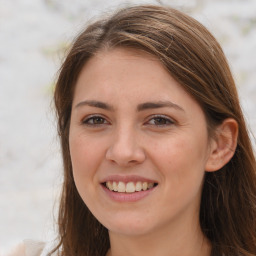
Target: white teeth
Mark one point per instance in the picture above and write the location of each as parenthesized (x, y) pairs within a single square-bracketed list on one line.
[(138, 186), (114, 186), (150, 185), (129, 187), (121, 187), (144, 186), (109, 185)]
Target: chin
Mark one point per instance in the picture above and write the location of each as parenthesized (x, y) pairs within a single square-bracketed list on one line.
[(129, 227), (130, 231)]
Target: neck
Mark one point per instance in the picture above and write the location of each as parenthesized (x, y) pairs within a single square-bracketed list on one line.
[(187, 240)]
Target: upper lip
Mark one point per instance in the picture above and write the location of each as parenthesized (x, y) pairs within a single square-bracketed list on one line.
[(127, 178)]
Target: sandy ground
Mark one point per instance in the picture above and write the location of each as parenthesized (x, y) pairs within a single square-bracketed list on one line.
[(33, 34)]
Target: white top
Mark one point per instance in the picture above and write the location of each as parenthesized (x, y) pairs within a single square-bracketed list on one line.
[(32, 248)]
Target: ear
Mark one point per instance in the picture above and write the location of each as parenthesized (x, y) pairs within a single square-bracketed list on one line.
[(223, 145)]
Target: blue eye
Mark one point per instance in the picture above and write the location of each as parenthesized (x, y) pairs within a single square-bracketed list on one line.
[(160, 121), (95, 120)]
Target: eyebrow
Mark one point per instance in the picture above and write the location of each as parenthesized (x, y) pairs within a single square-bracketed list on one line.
[(96, 104), (158, 104), (140, 107)]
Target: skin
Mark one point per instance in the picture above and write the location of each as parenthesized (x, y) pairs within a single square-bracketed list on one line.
[(172, 149), (19, 250)]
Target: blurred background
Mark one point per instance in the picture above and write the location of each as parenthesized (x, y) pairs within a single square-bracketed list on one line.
[(34, 35)]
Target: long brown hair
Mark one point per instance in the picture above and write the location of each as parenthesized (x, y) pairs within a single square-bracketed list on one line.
[(195, 59)]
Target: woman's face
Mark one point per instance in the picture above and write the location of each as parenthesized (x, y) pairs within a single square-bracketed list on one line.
[(138, 144)]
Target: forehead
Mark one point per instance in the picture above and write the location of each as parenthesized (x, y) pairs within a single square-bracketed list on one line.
[(122, 59), (126, 68), (127, 74)]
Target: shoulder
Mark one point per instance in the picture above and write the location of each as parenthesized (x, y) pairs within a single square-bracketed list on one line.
[(31, 248), (18, 250)]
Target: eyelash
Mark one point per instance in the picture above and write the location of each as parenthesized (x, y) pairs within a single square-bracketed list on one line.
[(93, 118), (167, 121), (89, 121)]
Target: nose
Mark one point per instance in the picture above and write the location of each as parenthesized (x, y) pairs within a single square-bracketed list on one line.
[(124, 149)]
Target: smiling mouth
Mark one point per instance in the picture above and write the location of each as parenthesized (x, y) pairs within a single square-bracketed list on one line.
[(129, 187)]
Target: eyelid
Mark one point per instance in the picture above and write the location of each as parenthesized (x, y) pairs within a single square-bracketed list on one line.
[(170, 121), (167, 118), (85, 120)]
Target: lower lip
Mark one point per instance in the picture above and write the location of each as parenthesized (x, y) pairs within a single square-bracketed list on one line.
[(127, 197)]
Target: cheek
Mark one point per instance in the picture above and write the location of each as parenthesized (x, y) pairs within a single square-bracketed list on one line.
[(85, 152), (181, 161), (84, 165), (84, 158)]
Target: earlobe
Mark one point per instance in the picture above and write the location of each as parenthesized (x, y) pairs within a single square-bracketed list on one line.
[(223, 145)]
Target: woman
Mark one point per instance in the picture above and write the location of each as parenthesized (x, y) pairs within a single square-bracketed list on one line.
[(157, 157)]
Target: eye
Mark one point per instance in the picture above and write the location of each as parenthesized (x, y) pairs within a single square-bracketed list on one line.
[(160, 120), (95, 121)]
